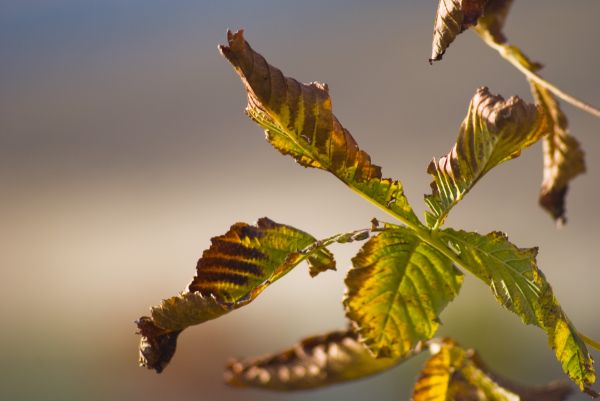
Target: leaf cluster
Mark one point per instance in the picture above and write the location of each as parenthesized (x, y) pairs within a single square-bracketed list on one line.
[(408, 270)]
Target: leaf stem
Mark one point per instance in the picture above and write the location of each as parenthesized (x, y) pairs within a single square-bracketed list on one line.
[(508, 55), (592, 343)]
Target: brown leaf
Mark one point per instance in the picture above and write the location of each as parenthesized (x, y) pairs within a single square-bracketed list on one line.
[(452, 18), (314, 362), (563, 156)]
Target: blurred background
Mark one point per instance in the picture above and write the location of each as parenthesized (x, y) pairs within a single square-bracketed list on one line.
[(124, 148)]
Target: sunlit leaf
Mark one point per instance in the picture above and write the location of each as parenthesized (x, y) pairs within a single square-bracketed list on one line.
[(519, 285), (247, 255), (396, 290), (299, 122), (236, 268), (456, 374), (314, 362), (563, 156), (452, 18), (494, 131)]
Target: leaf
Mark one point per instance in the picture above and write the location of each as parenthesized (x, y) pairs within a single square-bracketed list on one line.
[(396, 290), (452, 18), (236, 268), (454, 373), (519, 286), (314, 362), (494, 131), (299, 122), (563, 156)]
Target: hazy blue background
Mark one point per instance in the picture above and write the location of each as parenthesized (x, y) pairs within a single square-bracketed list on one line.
[(124, 148)]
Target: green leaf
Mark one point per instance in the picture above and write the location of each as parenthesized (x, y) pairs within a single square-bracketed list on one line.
[(314, 362), (396, 290), (519, 286), (494, 131), (452, 18), (454, 373), (236, 268), (299, 122)]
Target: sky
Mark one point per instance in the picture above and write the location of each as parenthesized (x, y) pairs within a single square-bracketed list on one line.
[(124, 148)]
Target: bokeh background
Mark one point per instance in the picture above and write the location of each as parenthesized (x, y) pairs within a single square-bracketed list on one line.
[(124, 148)]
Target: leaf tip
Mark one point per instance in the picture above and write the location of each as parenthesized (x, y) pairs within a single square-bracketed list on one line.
[(157, 346)]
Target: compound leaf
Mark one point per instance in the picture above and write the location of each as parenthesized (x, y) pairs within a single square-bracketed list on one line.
[(519, 286), (453, 373), (236, 268), (396, 290), (299, 122), (494, 131), (314, 362), (452, 18)]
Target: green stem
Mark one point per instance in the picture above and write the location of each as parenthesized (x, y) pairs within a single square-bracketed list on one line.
[(592, 343), (505, 52)]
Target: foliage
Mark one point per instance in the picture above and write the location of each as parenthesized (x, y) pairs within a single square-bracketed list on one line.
[(407, 271)]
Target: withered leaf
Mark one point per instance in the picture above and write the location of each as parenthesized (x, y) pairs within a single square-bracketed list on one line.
[(314, 362), (236, 268), (494, 131), (299, 122), (452, 18), (563, 157)]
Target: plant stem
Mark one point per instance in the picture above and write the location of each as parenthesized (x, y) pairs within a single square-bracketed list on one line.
[(592, 343), (507, 54)]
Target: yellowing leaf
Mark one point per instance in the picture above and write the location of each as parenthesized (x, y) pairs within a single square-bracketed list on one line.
[(452, 18), (247, 255), (396, 290), (456, 374), (519, 285), (494, 131), (236, 268), (299, 122), (563, 156), (314, 362)]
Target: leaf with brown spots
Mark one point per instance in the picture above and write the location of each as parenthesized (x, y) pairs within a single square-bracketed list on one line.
[(314, 362), (452, 18), (236, 268), (494, 131), (299, 122)]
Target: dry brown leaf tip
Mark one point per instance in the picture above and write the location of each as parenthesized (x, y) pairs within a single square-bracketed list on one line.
[(452, 18)]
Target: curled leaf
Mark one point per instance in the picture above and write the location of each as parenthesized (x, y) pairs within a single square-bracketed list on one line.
[(494, 131), (457, 374), (396, 290), (519, 286), (299, 122), (452, 18), (236, 268), (563, 156), (314, 362)]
